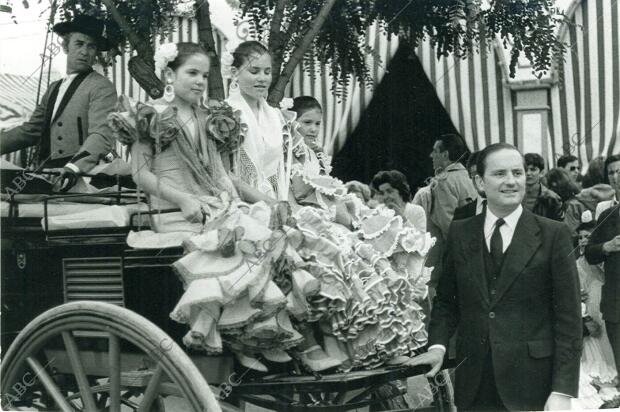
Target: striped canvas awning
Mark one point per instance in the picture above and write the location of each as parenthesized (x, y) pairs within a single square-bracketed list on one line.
[(583, 93)]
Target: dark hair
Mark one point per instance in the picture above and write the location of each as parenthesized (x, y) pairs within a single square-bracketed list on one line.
[(245, 50), (487, 151), (396, 179), (472, 160), (454, 144), (611, 159), (595, 173), (534, 159), (566, 159), (561, 182), (184, 51), (302, 104)]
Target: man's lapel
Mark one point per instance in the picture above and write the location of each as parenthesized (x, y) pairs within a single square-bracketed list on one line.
[(69, 93), (525, 243), (475, 239)]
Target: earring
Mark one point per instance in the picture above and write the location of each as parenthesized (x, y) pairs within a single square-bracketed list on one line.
[(169, 92), (233, 84)]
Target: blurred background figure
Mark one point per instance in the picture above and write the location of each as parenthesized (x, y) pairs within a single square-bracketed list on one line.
[(391, 188), (571, 164), (538, 198)]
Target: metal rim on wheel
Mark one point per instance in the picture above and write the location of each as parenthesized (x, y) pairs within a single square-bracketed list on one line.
[(119, 324)]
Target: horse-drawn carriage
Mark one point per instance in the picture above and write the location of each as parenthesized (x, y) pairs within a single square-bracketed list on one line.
[(85, 325)]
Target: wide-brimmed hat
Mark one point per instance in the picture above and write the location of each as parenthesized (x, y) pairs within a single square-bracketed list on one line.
[(88, 25)]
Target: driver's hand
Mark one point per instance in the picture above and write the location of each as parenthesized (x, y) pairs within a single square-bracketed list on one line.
[(68, 179)]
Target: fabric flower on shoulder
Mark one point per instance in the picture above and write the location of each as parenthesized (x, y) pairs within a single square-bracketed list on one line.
[(157, 123), (123, 122), (225, 127)]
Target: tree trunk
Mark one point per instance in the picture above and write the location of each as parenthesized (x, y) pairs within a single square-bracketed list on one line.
[(277, 93), (205, 37), (277, 39), (141, 67)]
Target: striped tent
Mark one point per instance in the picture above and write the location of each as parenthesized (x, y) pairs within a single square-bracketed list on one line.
[(18, 100), (574, 110)]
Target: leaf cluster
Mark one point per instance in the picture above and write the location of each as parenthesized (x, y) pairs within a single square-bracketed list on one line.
[(456, 27)]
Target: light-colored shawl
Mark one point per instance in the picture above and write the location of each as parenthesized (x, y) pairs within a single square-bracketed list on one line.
[(261, 161)]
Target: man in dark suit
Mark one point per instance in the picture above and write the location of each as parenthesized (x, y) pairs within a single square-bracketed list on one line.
[(70, 123), (604, 246), (511, 292)]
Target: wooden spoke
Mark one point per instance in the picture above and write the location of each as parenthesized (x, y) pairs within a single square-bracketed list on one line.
[(49, 384), (80, 376), (151, 392), (115, 373)]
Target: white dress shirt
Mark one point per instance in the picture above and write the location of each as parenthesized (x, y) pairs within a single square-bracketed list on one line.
[(507, 230), (66, 82)]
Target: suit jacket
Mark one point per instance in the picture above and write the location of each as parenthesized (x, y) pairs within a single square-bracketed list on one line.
[(78, 132), (464, 212), (531, 322), (608, 227)]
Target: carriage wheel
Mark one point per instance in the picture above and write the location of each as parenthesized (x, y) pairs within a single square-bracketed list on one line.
[(28, 378)]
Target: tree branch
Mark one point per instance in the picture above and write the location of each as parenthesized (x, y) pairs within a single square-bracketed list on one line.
[(278, 91), (205, 37), (144, 50)]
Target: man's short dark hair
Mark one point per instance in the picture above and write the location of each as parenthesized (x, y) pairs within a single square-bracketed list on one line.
[(454, 144), (396, 179), (611, 159), (490, 149), (534, 159), (472, 160), (566, 159)]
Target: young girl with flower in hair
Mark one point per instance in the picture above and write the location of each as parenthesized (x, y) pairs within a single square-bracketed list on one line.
[(232, 247), (598, 375)]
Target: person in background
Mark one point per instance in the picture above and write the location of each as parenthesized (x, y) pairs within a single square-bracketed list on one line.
[(595, 173), (450, 188), (571, 164), (70, 123), (477, 206), (391, 188), (604, 247), (598, 375), (453, 187), (595, 191), (611, 176), (538, 198)]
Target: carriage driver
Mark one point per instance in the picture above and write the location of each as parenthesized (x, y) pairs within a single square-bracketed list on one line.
[(70, 123)]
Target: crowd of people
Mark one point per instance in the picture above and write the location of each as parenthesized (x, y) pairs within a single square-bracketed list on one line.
[(285, 261)]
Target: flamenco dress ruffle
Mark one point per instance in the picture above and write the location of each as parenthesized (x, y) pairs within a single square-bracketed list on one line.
[(231, 295), (370, 276)]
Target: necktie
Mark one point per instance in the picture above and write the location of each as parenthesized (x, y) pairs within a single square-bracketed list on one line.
[(497, 245)]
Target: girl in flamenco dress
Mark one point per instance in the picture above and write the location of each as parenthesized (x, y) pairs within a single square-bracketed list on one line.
[(232, 247), (598, 376), (369, 261)]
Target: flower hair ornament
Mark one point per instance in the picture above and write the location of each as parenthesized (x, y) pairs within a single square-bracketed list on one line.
[(166, 53)]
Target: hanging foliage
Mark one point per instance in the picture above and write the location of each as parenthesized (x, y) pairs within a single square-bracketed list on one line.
[(294, 31)]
